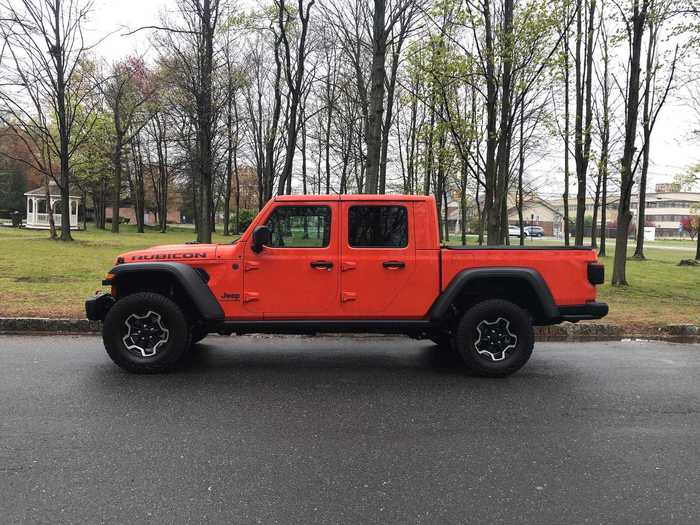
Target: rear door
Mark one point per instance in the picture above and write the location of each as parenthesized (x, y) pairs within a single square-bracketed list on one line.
[(297, 275), (378, 258)]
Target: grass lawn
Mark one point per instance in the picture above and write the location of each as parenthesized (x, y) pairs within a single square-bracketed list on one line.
[(39, 277), (44, 278)]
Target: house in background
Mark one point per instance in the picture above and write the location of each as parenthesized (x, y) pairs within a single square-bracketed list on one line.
[(37, 217), (127, 214), (538, 212)]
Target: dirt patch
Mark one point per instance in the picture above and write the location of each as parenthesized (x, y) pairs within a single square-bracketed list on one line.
[(43, 279)]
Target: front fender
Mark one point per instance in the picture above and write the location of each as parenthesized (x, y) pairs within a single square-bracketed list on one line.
[(189, 280)]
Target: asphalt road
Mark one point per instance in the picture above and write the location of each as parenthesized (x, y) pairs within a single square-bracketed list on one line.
[(323, 430)]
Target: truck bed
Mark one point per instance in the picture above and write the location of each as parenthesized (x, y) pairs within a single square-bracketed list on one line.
[(564, 268)]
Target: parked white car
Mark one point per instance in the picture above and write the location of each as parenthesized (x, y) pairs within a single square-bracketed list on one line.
[(534, 231), (514, 231)]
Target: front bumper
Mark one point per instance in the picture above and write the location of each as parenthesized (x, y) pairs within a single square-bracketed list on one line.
[(583, 312), (96, 307)]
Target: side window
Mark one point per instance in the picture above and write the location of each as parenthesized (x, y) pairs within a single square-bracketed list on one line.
[(378, 227), (300, 227)]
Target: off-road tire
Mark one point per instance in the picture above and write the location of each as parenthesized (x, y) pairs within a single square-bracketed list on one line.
[(114, 329), (518, 336)]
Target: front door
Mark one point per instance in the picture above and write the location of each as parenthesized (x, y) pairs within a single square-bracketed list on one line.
[(297, 275), (378, 259)]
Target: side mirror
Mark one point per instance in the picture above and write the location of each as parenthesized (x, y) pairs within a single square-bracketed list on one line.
[(261, 236)]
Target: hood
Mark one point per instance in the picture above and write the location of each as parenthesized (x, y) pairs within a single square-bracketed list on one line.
[(171, 252)]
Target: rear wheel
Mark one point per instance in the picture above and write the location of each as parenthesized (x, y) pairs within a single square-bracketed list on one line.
[(495, 338), (443, 340), (145, 333)]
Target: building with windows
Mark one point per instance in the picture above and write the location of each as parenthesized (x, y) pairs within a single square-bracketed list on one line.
[(38, 208), (665, 209)]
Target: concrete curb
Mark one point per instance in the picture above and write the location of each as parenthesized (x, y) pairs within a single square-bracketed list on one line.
[(42, 325), (564, 332)]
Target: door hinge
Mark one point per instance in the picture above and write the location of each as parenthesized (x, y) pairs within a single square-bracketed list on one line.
[(346, 297), (251, 265), (249, 297), (348, 265)]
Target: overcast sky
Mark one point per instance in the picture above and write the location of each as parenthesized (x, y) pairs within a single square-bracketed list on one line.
[(673, 150)]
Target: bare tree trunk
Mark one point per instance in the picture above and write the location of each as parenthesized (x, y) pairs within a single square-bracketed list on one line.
[(49, 209), (294, 83), (62, 117), (624, 215), (521, 169), (491, 205), (566, 134), (605, 142), (386, 128), (646, 126), (116, 184), (376, 97), (596, 205), (584, 80), (504, 139), (429, 146), (229, 151), (235, 168)]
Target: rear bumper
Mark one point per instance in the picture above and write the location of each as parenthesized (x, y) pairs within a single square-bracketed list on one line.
[(583, 312), (96, 307)]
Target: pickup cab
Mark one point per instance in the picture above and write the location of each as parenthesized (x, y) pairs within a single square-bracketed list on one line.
[(344, 263)]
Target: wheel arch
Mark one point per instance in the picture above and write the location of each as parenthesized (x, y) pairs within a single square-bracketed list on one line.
[(176, 280), (523, 286)]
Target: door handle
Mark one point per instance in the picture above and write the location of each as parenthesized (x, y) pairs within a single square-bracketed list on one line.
[(322, 265), (394, 265)]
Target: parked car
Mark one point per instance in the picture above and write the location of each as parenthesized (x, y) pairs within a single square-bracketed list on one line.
[(344, 263), (514, 231), (535, 231)]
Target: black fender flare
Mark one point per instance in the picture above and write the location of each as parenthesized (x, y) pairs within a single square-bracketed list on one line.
[(442, 304), (192, 284)]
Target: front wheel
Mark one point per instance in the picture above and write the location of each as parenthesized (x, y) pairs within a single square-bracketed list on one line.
[(145, 333), (495, 338), (197, 334)]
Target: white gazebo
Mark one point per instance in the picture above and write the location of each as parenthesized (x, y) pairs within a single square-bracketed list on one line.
[(38, 211)]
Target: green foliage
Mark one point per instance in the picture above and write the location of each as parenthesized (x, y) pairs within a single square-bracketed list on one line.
[(13, 185), (246, 217), (92, 161)]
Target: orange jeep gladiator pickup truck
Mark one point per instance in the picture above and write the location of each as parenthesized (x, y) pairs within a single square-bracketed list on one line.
[(347, 263)]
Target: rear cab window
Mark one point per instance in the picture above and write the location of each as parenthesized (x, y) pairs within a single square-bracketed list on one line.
[(378, 226)]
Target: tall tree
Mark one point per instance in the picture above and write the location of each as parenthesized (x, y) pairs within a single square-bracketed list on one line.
[(655, 97), (585, 20), (126, 95), (294, 69), (635, 23), (382, 25), (44, 89)]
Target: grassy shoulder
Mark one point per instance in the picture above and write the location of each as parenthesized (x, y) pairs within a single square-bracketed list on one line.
[(39, 277), (44, 278)]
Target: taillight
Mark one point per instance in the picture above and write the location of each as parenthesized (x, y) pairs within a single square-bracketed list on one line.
[(596, 273)]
